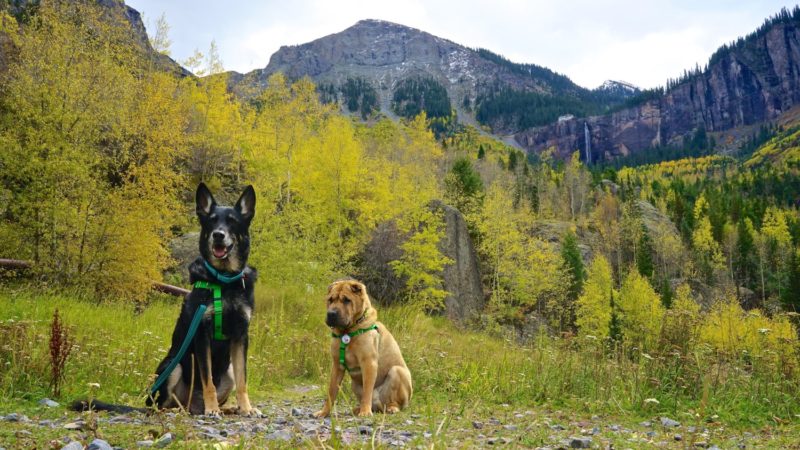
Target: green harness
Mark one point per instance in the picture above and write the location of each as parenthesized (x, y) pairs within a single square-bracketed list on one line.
[(216, 289), (345, 339)]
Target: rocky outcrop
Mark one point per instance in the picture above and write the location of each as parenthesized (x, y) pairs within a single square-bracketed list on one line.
[(751, 82), (461, 279), (385, 53)]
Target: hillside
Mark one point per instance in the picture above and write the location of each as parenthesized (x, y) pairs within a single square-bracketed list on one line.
[(381, 57)]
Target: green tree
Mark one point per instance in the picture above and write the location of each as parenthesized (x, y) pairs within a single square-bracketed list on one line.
[(573, 262)]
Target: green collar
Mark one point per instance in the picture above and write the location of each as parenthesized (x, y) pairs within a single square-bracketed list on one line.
[(345, 339), (216, 289)]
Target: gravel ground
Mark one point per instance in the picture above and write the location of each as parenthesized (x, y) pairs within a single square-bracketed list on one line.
[(290, 424)]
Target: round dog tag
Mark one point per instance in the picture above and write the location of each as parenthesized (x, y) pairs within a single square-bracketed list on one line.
[(346, 338)]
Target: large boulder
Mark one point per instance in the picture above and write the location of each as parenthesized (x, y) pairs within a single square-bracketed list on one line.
[(461, 279)]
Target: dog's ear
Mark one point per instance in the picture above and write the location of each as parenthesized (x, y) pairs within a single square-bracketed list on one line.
[(246, 205), (204, 200), (356, 287)]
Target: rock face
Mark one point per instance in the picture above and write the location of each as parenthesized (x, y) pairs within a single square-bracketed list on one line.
[(462, 279), (385, 53), (751, 82)]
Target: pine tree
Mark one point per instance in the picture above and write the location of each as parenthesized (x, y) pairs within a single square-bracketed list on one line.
[(644, 254), (573, 262)]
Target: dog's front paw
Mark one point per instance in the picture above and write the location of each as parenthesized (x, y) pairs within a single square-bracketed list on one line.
[(362, 412), (252, 412), (392, 409), (323, 413), (215, 413)]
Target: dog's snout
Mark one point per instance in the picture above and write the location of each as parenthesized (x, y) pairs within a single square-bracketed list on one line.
[(218, 235), (332, 318)]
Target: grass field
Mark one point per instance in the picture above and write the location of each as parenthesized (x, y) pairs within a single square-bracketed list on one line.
[(460, 377)]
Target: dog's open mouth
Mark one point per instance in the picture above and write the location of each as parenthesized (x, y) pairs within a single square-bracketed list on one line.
[(221, 251)]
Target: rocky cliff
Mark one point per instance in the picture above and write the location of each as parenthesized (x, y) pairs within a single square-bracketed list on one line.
[(384, 54), (751, 81)]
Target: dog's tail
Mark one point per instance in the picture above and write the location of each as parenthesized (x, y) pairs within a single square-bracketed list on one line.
[(96, 405)]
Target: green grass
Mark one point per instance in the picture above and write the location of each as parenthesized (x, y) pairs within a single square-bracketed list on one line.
[(458, 374)]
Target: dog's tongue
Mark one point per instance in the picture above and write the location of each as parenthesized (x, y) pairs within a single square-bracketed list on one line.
[(219, 251)]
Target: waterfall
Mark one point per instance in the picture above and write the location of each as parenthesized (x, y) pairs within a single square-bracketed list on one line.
[(587, 136)]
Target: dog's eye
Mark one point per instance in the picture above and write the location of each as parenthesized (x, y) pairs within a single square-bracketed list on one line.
[(231, 220), (346, 301), (330, 300)]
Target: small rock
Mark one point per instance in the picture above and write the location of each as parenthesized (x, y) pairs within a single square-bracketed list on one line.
[(678, 437), (74, 425), (667, 422), (651, 434), (280, 420), (49, 403), (701, 444), (297, 412), (580, 442), (510, 427), (74, 445), (147, 443), (491, 440), (519, 415), (427, 434), (494, 421), (15, 417), (557, 427), (23, 433), (477, 425), (164, 440), (99, 444), (614, 428), (505, 440), (46, 423), (646, 424), (596, 430), (280, 435), (415, 416), (364, 429), (259, 428)]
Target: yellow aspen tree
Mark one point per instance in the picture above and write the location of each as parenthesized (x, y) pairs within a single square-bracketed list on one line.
[(593, 315)]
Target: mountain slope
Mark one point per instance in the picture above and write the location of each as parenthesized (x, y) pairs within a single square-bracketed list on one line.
[(381, 55), (754, 80)]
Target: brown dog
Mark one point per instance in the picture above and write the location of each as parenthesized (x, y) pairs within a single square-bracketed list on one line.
[(364, 347)]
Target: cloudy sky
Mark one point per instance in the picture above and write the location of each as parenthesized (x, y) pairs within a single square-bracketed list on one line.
[(640, 41)]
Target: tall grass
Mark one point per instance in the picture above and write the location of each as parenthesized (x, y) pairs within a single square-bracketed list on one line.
[(452, 368)]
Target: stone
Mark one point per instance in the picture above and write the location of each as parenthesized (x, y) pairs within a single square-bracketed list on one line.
[(48, 403), (73, 445), (74, 425), (147, 443), (164, 440), (16, 417), (364, 429), (678, 437), (510, 427), (477, 425), (557, 427), (667, 422), (580, 442), (297, 412), (99, 444), (280, 435), (646, 424)]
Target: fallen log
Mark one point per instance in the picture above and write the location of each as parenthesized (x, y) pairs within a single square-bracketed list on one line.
[(13, 264)]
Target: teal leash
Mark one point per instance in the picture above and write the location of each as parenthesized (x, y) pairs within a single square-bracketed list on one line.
[(198, 316)]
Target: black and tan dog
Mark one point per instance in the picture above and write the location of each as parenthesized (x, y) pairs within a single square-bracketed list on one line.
[(218, 351), (364, 347)]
